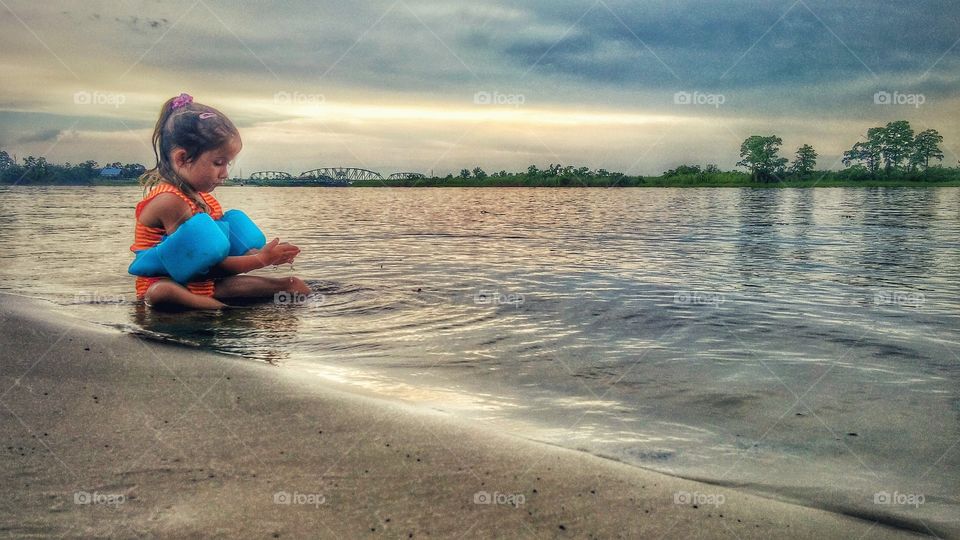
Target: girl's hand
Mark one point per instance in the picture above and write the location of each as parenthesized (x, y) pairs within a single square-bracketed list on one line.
[(275, 253)]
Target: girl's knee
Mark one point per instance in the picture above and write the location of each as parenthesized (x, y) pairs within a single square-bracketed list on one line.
[(158, 292), (295, 284), (298, 285)]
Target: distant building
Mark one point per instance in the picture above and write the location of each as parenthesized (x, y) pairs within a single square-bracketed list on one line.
[(111, 172)]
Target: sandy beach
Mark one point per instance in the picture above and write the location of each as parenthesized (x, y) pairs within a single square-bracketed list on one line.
[(109, 435)]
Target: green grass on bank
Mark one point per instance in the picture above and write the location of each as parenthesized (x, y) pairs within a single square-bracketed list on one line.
[(929, 178), (932, 177)]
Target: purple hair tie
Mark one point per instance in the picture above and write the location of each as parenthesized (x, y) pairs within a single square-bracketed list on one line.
[(181, 101)]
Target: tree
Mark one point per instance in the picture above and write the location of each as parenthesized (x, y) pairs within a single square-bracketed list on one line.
[(533, 170), (5, 160), (926, 145), (36, 169), (760, 155), (805, 160), (682, 170), (132, 170), (464, 173), (869, 152), (479, 173), (896, 142)]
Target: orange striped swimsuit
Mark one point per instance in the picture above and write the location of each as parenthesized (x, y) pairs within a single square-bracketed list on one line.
[(147, 237)]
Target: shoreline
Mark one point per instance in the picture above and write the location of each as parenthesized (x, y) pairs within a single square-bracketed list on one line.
[(177, 442), (646, 183)]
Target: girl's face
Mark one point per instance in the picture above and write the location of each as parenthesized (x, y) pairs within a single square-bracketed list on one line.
[(209, 170)]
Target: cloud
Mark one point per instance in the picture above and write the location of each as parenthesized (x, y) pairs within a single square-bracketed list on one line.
[(46, 135), (784, 66)]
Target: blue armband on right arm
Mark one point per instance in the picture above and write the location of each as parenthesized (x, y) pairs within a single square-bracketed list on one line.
[(198, 244)]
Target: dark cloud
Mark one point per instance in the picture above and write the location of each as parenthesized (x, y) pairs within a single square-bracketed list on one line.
[(566, 51), (141, 25), (740, 44), (46, 135)]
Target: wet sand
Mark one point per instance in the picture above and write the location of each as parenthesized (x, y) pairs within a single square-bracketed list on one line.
[(107, 434)]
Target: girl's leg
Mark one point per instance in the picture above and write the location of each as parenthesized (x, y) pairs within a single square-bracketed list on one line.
[(258, 287), (166, 292)]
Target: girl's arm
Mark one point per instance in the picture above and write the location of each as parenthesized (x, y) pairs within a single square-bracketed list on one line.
[(169, 211), (273, 253), (165, 210)]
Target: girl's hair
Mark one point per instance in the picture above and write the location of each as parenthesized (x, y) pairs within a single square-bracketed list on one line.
[(194, 127)]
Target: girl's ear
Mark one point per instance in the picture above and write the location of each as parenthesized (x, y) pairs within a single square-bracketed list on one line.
[(178, 157)]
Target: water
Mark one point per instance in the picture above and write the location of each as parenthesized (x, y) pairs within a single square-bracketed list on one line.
[(798, 343)]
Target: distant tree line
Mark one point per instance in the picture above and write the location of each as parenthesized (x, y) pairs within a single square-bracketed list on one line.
[(892, 151), (37, 170), (553, 171)]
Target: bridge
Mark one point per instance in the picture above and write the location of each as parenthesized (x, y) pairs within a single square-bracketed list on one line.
[(331, 176), (407, 176), (270, 175), (348, 174)]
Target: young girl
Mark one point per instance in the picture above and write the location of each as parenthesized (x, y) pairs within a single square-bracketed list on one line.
[(193, 144)]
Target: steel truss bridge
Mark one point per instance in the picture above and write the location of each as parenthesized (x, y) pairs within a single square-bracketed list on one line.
[(407, 176), (333, 176), (270, 175)]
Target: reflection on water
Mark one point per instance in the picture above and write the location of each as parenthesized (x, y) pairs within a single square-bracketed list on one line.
[(777, 339), (274, 327)]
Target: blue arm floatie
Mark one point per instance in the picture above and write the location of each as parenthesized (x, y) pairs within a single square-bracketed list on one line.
[(244, 234), (198, 245)]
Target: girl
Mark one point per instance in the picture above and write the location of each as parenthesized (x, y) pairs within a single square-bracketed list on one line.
[(193, 145)]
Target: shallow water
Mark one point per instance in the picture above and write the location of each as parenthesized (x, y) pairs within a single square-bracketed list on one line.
[(801, 343)]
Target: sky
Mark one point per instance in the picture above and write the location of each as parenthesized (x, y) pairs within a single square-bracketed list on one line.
[(434, 86)]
